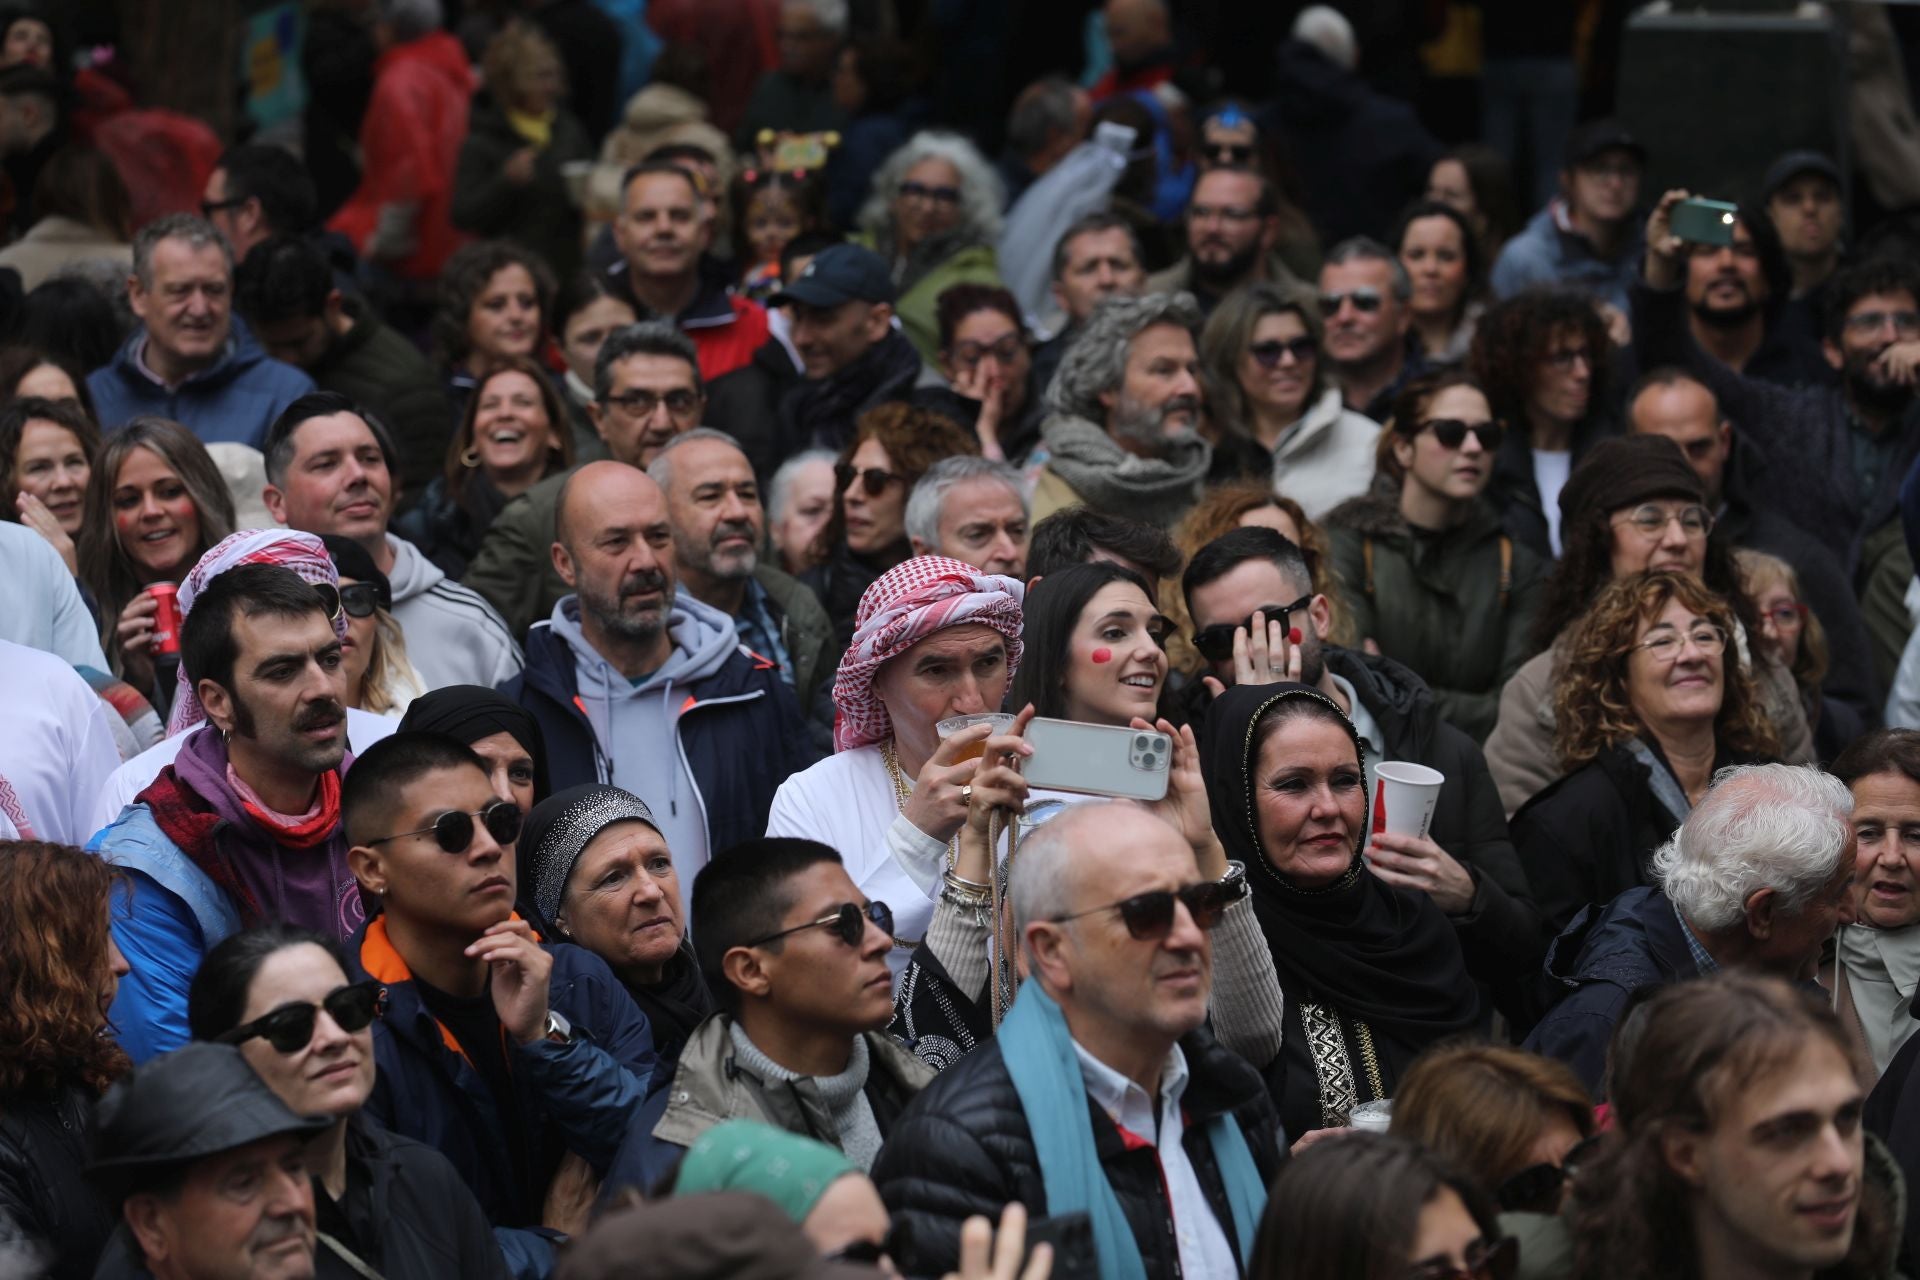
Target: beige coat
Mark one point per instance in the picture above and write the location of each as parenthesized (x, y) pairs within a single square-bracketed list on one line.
[(55, 242)]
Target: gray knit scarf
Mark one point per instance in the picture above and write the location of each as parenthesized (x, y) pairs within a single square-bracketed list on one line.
[(1108, 478), (844, 1094)]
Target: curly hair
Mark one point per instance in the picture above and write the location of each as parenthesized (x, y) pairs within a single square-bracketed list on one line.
[(982, 193), (1679, 1061), (914, 439), (1591, 705), (53, 962), (1219, 511), (465, 278), (1517, 335), (559, 424)]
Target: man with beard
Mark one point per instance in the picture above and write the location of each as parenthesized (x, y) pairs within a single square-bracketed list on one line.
[(243, 828), (1739, 311), (1372, 350), (1233, 224), (719, 525), (1840, 452), (651, 690), (1245, 579), (1123, 436)]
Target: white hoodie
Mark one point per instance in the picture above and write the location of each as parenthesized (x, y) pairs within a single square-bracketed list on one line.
[(453, 635)]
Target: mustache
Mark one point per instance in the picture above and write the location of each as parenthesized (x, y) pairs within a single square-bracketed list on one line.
[(1179, 404), (642, 583), (321, 715), (735, 529), (272, 1231)]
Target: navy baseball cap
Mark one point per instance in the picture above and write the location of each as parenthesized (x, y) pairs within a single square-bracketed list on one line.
[(839, 273), (1587, 141), (1795, 163)]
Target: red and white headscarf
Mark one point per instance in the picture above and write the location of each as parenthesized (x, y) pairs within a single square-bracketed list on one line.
[(303, 553), (910, 602)]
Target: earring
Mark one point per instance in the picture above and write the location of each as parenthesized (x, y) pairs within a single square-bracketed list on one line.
[(470, 458)]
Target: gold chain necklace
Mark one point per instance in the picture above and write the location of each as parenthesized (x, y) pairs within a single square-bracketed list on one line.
[(901, 793)]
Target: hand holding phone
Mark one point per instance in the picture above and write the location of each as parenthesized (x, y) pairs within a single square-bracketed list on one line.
[(1701, 221), (1098, 759)]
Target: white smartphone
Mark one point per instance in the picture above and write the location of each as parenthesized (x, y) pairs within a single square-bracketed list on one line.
[(1098, 759)]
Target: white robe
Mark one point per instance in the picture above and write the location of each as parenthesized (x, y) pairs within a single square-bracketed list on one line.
[(58, 748)]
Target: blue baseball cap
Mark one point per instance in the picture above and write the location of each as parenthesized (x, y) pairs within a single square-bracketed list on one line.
[(839, 273)]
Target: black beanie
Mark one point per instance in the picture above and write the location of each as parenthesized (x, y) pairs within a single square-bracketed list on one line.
[(1624, 471)]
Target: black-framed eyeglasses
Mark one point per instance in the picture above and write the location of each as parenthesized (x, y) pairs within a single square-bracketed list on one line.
[(640, 403), (1486, 1260), (289, 1029), (1365, 300), (873, 479), (847, 923), (210, 207), (1215, 643), (1149, 916), (1452, 433), (1267, 354), (896, 1244), (1006, 351), (921, 191), (360, 599), (453, 830)]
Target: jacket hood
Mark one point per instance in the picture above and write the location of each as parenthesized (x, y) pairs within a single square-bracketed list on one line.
[(1616, 940), (438, 52), (240, 353), (412, 573), (660, 105), (1392, 692), (1312, 90), (703, 639)]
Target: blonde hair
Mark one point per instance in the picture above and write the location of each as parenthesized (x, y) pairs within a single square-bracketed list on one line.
[(390, 682), (515, 51), (1758, 571)]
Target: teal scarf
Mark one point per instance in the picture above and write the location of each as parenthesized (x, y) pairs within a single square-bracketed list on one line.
[(1039, 1054)]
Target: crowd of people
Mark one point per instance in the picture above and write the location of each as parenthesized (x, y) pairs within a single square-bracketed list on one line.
[(691, 640)]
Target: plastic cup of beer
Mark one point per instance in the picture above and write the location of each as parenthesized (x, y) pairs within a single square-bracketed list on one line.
[(1372, 1117), (1000, 721)]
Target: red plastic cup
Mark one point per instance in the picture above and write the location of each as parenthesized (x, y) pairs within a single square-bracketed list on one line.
[(166, 619)]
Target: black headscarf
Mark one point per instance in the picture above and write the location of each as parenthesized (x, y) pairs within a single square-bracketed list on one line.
[(470, 712), (1382, 955)]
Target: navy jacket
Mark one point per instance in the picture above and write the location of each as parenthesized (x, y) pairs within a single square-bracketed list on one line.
[(1606, 956), (577, 1096), (236, 398), (741, 731)]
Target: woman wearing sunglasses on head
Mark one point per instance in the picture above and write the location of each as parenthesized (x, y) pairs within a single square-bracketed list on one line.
[(1373, 1207), (1371, 975), (1432, 580), (373, 656), (891, 448), (1274, 415), (282, 995)]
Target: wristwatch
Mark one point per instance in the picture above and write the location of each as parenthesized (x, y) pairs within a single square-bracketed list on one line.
[(1235, 881), (558, 1029)]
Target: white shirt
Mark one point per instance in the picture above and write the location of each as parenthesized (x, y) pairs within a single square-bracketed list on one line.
[(40, 607), (136, 775), (1550, 470), (1204, 1249), (58, 747)]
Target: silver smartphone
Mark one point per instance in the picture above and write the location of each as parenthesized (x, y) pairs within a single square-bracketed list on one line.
[(1098, 759)]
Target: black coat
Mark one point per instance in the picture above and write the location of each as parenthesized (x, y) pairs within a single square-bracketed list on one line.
[(538, 215), (44, 1193), (1589, 836), (746, 405), (1893, 1115), (426, 1223), (1516, 494), (964, 1147)]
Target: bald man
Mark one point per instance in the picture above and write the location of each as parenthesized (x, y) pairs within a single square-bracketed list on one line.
[(639, 684)]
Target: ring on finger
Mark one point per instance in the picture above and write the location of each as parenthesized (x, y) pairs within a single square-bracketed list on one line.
[(966, 793)]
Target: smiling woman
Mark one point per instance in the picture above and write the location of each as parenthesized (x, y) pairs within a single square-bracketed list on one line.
[(1882, 945), (1094, 647)]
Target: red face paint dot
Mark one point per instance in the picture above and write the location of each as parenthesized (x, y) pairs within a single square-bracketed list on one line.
[(1293, 635), (1102, 655)]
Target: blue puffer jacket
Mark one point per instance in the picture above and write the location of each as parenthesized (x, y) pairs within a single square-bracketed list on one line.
[(577, 1097), (236, 398)]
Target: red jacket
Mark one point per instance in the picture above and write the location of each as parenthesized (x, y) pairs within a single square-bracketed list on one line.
[(727, 344), (410, 142)]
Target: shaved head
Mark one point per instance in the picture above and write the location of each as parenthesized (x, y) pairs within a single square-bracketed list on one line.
[(602, 488)]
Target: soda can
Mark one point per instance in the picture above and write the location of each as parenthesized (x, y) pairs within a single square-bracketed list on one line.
[(166, 619)]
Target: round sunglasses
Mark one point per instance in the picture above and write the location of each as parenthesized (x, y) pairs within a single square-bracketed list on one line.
[(289, 1028), (1149, 916), (453, 830), (847, 923)]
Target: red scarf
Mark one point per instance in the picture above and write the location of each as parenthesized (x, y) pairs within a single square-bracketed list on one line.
[(302, 833)]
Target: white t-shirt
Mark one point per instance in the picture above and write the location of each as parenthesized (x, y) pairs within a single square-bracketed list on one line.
[(1550, 470), (58, 748), (136, 775)]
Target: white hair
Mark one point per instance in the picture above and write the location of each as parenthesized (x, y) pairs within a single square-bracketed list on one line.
[(1327, 29), (1764, 826), (831, 14), (930, 494), (982, 193), (780, 492)]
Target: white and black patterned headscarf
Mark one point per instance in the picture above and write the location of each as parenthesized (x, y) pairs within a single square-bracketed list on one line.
[(558, 831)]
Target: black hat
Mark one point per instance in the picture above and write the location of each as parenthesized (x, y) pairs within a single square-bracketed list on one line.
[(1792, 165), (1595, 136), (1626, 470), (559, 830), (197, 1101), (839, 273), (351, 560)]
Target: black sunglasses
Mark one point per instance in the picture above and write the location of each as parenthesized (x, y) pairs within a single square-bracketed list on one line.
[(289, 1029), (1150, 915), (848, 923), (1229, 152), (1215, 643), (210, 207), (1364, 300), (360, 599), (873, 479), (1267, 354), (1452, 434), (897, 1243), (641, 404), (453, 830)]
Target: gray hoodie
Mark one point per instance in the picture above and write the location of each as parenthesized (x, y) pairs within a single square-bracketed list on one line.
[(453, 635), (636, 723)]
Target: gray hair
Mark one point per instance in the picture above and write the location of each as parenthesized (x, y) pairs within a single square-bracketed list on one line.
[(195, 231), (1763, 826), (1367, 249), (411, 19), (1044, 108), (930, 494), (780, 491), (1327, 29), (647, 338), (831, 14), (982, 194), (661, 468), (1097, 360)]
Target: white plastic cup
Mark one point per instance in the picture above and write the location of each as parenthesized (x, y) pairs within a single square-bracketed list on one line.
[(1372, 1117), (1404, 796), (1000, 720)]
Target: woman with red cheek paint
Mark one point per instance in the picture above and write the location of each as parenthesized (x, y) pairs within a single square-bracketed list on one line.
[(155, 503)]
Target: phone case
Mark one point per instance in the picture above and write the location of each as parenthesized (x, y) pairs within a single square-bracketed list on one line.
[(1098, 759), (1704, 221)]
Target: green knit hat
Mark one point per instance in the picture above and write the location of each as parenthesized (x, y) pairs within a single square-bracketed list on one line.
[(745, 1155)]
